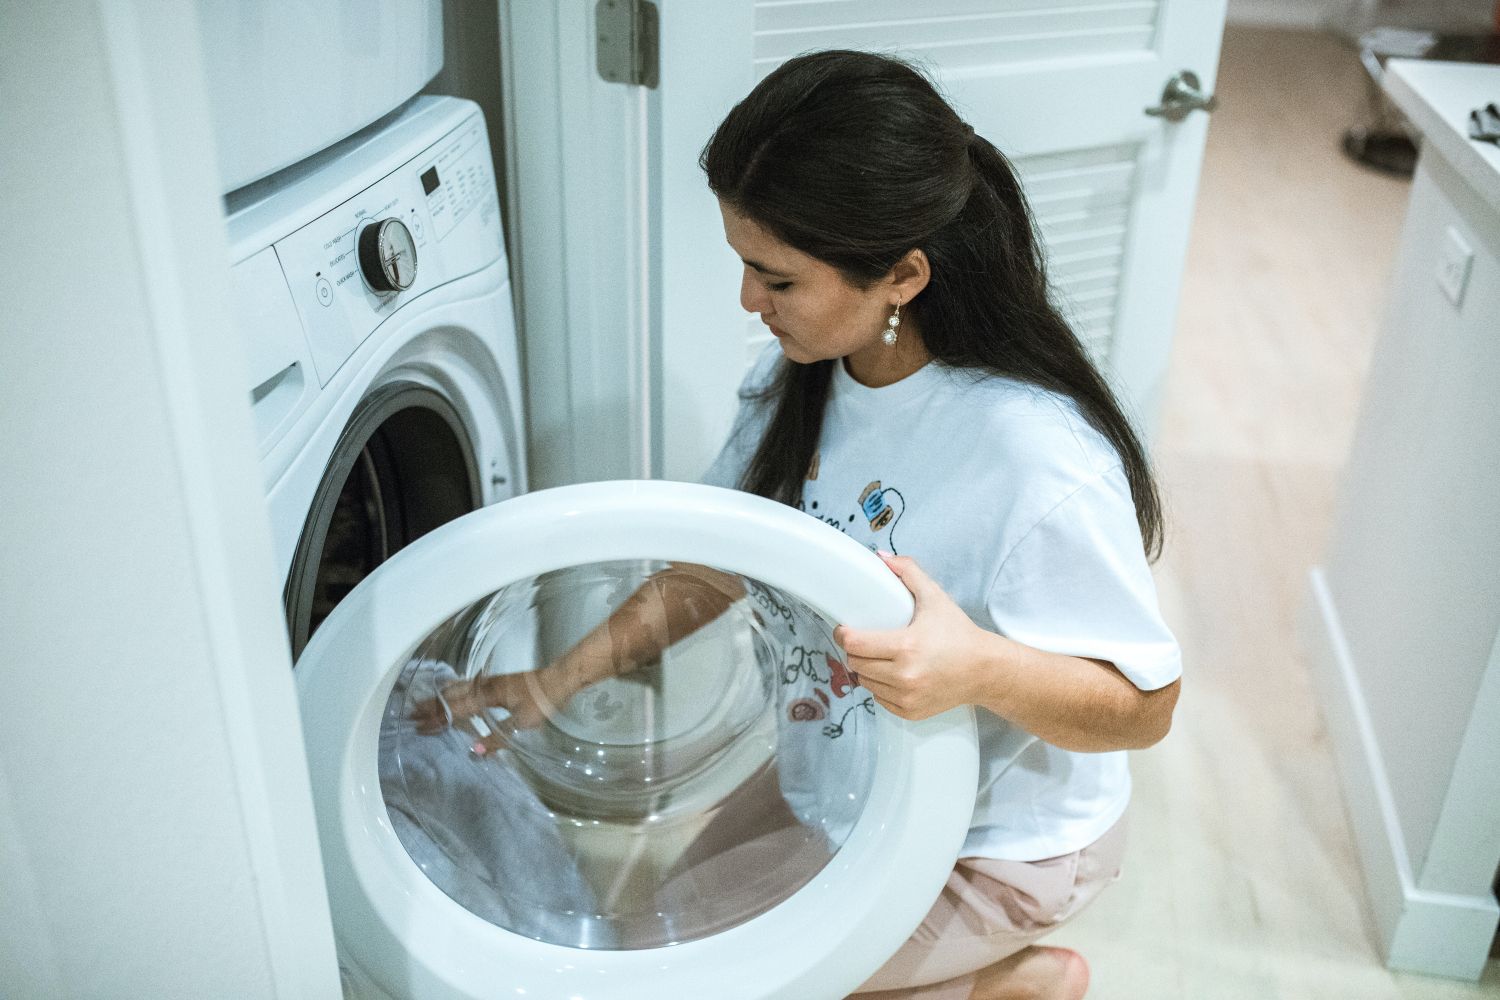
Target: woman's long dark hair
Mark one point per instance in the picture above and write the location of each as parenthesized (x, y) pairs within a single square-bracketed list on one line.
[(855, 159)]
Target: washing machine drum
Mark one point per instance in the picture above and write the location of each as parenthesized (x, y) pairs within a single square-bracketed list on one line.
[(598, 742)]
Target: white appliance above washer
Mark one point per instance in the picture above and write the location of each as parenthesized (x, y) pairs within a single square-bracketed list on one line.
[(287, 78), (736, 819)]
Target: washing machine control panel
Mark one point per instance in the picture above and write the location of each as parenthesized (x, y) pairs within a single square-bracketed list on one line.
[(434, 219), (388, 256)]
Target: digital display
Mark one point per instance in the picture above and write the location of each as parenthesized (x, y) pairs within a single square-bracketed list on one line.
[(429, 180)]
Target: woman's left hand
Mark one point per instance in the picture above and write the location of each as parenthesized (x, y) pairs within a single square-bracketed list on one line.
[(929, 666)]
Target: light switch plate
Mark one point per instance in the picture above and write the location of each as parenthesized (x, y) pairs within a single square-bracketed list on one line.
[(1453, 265)]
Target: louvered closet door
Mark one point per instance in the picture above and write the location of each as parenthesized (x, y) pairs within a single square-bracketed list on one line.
[(1061, 87)]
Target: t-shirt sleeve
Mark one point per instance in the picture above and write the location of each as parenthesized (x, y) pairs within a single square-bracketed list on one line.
[(1078, 583), (734, 457)]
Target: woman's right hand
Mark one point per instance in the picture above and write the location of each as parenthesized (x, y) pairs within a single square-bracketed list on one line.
[(531, 698)]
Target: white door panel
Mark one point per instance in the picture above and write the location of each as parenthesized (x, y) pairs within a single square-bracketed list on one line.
[(955, 33), (1061, 88), (1082, 202), (1112, 187)]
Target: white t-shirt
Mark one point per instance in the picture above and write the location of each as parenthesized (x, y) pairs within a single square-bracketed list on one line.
[(1020, 510)]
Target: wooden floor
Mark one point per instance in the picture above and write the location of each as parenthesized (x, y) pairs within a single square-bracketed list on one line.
[(1242, 882)]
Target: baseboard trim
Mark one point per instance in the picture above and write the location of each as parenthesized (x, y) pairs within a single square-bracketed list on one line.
[(1441, 934)]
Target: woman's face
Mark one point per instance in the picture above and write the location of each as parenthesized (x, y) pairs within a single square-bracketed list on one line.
[(812, 310)]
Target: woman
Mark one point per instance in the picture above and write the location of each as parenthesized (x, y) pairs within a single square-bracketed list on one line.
[(891, 252), (926, 397)]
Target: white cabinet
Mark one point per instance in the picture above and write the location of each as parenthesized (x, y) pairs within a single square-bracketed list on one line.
[(1406, 608)]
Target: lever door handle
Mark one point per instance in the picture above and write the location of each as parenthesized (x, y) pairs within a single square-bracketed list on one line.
[(1181, 97)]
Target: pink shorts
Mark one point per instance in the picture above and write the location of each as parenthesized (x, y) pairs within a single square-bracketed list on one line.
[(988, 911)]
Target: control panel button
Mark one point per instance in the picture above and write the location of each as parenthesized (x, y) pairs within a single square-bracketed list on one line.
[(388, 256), (325, 292)]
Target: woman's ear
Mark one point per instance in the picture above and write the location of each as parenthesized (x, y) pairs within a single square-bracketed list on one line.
[(911, 274)]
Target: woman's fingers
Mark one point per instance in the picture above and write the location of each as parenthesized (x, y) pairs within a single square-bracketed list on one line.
[(458, 700), (872, 676), (428, 718), (899, 701), (878, 644), (879, 688), (889, 698), (471, 697), (432, 716), (877, 668), (894, 687), (922, 586), (493, 707), (494, 740)]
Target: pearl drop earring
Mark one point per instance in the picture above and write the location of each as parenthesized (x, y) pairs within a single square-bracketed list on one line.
[(893, 325)]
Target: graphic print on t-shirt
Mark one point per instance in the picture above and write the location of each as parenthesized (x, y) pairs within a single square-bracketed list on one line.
[(882, 508), (816, 687), (877, 509)]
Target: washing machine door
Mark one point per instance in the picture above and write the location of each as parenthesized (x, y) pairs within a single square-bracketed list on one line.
[(682, 792)]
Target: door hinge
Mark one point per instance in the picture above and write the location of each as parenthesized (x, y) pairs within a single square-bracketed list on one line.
[(626, 32)]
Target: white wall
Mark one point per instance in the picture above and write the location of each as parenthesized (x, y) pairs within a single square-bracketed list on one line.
[(1406, 609), (156, 833), (471, 70)]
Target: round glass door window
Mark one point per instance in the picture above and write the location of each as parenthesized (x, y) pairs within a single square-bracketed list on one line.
[(626, 755)]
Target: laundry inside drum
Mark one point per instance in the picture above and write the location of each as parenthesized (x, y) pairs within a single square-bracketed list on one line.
[(626, 755)]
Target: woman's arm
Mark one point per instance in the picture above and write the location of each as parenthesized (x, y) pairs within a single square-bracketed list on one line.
[(942, 659), (671, 605), (1071, 702)]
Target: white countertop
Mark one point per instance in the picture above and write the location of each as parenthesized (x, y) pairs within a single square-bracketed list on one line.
[(1437, 97)]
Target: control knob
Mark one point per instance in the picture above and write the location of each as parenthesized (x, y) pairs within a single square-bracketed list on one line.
[(388, 256)]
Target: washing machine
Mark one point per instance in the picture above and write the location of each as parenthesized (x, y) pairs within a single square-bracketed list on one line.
[(710, 805), (371, 292)]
